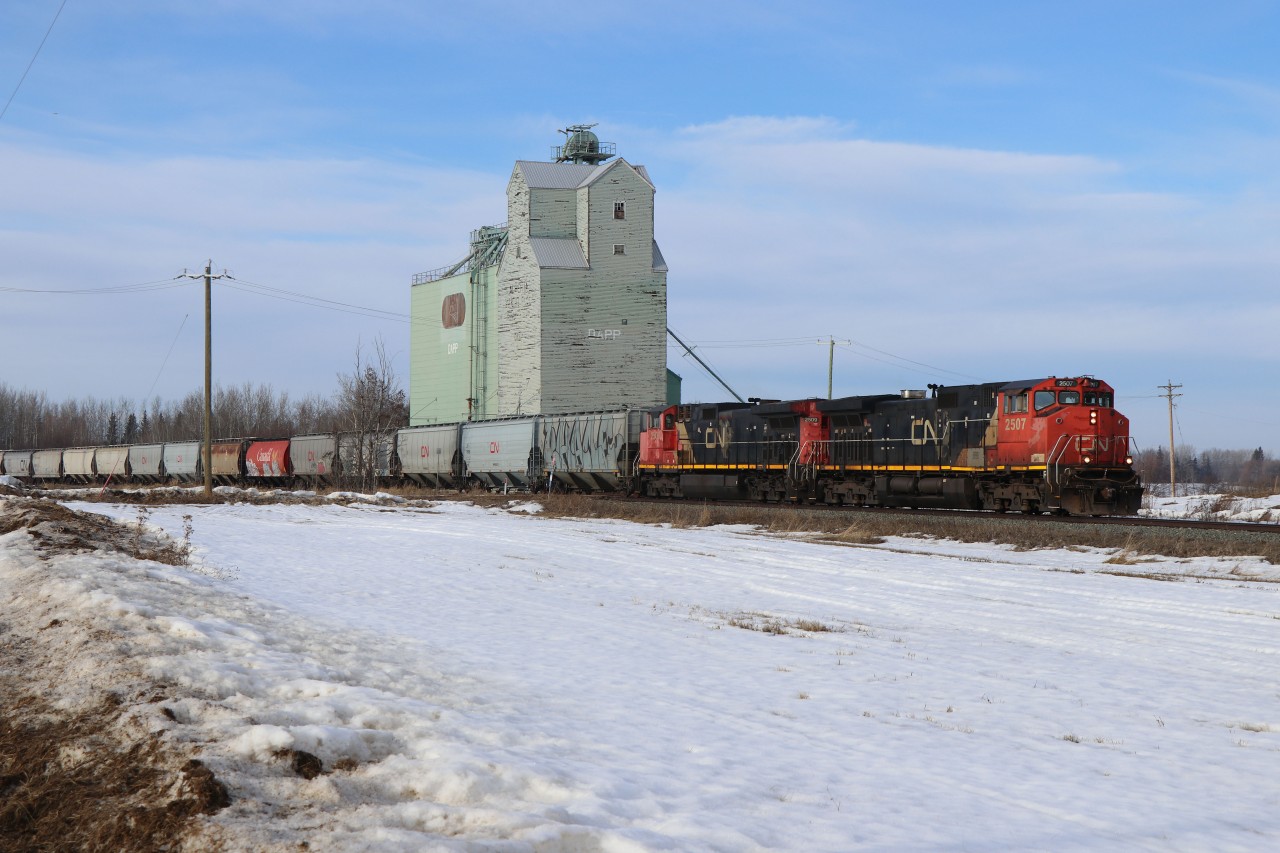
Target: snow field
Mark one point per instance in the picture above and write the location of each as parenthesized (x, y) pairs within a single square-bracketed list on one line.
[(480, 679)]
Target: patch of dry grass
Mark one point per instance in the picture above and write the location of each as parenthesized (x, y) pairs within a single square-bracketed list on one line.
[(767, 624), (96, 774), (67, 783), (59, 530), (1131, 542)]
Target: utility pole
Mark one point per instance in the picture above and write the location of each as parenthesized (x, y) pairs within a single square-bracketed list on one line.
[(831, 363), (831, 360), (1168, 392), (207, 451)]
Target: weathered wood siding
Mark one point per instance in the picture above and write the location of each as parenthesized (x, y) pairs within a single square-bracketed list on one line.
[(553, 213), (519, 309), (604, 330)]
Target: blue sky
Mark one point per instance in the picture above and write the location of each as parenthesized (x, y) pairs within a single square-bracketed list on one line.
[(962, 192)]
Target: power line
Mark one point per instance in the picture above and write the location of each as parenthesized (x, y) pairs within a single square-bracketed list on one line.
[(760, 343), (143, 287), (280, 290), (239, 284), (928, 367), (166, 358), (33, 60), (315, 301), (1233, 418)]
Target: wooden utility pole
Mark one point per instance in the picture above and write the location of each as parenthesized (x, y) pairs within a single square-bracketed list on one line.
[(1173, 480), (208, 379), (207, 451), (831, 359), (831, 363)]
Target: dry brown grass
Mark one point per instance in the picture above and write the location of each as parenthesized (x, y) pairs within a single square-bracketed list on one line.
[(93, 775), (1256, 491), (767, 624), (849, 528), (68, 783), (857, 528), (58, 530)]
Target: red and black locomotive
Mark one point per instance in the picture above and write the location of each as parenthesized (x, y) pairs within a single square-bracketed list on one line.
[(1041, 445)]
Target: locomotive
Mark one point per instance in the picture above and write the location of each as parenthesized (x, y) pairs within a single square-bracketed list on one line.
[(1039, 445)]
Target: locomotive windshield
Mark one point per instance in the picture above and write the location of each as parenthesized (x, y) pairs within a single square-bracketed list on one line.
[(1101, 399), (1045, 398)]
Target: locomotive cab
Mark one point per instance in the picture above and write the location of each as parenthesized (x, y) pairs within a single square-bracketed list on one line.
[(660, 440), (1069, 429)]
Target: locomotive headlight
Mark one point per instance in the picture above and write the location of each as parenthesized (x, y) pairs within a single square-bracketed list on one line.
[(1093, 416), (1128, 460), (1087, 459)]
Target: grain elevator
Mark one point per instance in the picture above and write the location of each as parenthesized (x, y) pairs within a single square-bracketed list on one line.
[(561, 309)]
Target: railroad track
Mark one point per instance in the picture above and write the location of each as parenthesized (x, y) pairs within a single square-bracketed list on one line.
[(1258, 528)]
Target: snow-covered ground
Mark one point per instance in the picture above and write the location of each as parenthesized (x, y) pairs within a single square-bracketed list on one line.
[(1213, 507), (486, 679)]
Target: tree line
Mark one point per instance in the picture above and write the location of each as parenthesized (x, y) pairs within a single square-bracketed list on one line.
[(368, 401), (1253, 469)]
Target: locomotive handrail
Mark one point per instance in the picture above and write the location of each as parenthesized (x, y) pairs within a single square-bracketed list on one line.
[(794, 465), (1060, 447), (1056, 453)]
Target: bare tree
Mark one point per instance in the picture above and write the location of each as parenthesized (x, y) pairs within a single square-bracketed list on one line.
[(371, 406)]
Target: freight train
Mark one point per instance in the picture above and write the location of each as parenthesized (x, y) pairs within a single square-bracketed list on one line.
[(1043, 445)]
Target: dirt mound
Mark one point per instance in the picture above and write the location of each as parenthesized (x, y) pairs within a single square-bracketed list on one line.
[(56, 529), (85, 764)]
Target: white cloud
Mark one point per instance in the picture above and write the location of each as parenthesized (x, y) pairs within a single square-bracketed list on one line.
[(986, 264), (990, 264), (352, 231)]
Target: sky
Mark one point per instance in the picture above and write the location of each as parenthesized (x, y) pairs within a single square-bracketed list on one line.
[(950, 194), (733, 691)]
